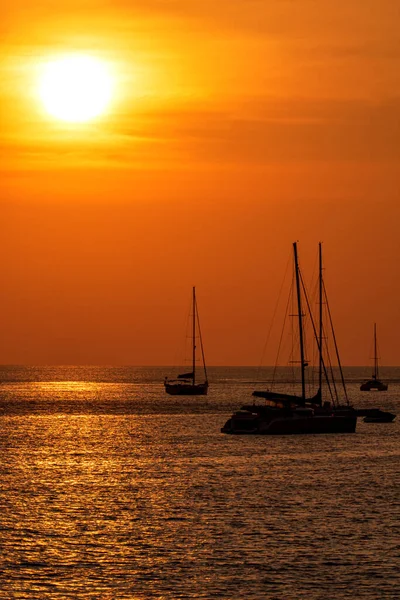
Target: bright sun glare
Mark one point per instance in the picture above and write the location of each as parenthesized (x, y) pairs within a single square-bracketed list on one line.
[(75, 88)]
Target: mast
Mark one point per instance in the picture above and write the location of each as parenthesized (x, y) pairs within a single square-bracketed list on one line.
[(375, 375), (320, 319), (300, 315), (194, 337)]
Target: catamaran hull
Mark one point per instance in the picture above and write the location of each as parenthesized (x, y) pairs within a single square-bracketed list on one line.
[(373, 385), (177, 389), (290, 425)]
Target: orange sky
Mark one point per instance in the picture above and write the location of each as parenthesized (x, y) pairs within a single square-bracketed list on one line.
[(237, 127)]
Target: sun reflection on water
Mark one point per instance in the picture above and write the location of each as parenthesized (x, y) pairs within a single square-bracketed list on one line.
[(67, 386), (128, 503)]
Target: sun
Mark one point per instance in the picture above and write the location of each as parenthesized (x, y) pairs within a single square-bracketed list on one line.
[(76, 88)]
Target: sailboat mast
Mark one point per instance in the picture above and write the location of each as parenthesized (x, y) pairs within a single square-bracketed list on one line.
[(375, 376), (302, 363), (320, 319), (194, 337)]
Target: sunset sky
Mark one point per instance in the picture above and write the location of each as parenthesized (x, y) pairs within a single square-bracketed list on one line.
[(235, 127)]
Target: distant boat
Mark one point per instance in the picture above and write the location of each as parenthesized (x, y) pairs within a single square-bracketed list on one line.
[(375, 383), (296, 414), (186, 384), (379, 416)]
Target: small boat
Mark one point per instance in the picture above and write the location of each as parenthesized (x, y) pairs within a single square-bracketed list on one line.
[(376, 415), (385, 417), (375, 383), (285, 414), (186, 384)]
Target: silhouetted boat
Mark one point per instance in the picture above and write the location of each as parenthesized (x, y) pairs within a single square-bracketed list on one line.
[(186, 383), (379, 416), (375, 383), (293, 414), (269, 420)]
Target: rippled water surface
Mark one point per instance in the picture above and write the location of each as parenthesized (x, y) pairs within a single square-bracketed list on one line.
[(112, 490)]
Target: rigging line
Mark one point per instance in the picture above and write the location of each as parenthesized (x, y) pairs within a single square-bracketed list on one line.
[(281, 337), (273, 319), (315, 358), (181, 351), (194, 337), (293, 331), (313, 298), (378, 358), (371, 350), (375, 355), (200, 338), (332, 377), (314, 280), (320, 311), (316, 339), (300, 320), (336, 346)]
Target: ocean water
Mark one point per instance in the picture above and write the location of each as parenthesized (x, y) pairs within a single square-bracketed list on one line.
[(110, 489)]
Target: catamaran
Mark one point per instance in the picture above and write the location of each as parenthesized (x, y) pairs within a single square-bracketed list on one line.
[(298, 414)]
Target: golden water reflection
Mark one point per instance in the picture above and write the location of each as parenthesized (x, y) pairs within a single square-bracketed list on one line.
[(162, 506)]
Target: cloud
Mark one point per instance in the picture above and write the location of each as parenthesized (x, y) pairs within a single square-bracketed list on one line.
[(259, 132), (273, 130), (277, 18)]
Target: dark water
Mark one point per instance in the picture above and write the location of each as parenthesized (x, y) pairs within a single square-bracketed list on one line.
[(112, 490)]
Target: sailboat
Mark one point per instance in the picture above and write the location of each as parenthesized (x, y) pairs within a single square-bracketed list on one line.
[(186, 384), (375, 383), (296, 414)]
